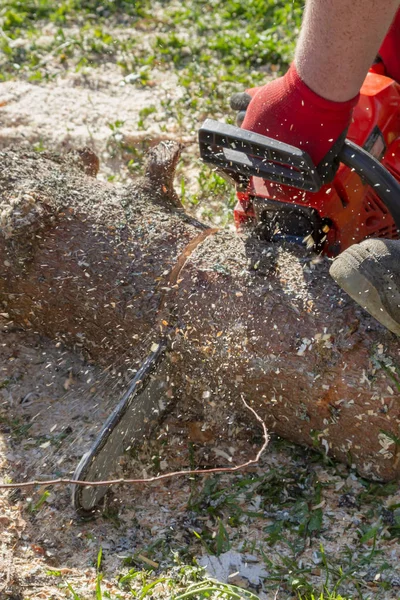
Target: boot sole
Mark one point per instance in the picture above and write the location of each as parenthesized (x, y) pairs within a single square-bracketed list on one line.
[(348, 273)]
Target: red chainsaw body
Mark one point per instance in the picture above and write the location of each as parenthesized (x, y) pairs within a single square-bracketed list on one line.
[(353, 209)]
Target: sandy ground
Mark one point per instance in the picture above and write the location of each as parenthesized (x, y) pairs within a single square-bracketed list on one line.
[(82, 109)]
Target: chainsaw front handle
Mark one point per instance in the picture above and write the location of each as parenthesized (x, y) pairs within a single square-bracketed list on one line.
[(242, 154)]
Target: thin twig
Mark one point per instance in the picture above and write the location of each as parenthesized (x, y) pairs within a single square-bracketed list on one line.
[(51, 482)]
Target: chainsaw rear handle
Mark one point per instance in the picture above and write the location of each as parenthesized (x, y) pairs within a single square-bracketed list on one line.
[(242, 154)]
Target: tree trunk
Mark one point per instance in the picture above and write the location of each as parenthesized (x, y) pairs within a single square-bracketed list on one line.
[(112, 269)]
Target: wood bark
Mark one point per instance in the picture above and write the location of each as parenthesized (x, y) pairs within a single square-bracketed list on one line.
[(110, 270)]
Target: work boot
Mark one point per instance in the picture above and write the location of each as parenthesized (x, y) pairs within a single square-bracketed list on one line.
[(370, 273)]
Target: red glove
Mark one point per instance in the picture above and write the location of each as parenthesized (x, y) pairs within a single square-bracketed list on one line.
[(288, 110), (390, 50)]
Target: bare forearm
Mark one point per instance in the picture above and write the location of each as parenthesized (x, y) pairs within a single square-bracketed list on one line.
[(339, 41)]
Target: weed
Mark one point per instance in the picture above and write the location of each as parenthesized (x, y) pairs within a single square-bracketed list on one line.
[(17, 428), (74, 594), (39, 146), (99, 576), (322, 596), (5, 383), (33, 508), (144, 113), (205, 588)]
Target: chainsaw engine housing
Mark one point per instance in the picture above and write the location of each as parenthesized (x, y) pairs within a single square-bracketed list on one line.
[(347, 210)]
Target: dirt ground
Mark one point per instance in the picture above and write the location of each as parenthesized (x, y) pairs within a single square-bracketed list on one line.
[(52, 402)]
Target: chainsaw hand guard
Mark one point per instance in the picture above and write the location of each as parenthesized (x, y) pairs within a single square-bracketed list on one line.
[(242, 154)]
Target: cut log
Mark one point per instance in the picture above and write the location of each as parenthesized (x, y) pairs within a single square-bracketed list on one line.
[(111, 269)]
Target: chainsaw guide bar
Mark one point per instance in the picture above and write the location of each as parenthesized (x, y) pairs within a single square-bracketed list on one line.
[(133, 419)]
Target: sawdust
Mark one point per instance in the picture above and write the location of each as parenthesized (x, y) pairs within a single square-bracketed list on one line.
[(99, 109)]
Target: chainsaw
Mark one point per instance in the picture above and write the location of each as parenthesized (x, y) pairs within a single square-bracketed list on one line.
[(280, 191)]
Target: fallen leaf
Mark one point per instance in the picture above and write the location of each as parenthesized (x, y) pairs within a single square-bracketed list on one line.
[(199, 435)]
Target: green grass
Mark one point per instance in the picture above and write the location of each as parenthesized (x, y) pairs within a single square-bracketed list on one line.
[(15, 425), (242, 36), (183, 583), (288, 504), (229, 40), (76, 35)]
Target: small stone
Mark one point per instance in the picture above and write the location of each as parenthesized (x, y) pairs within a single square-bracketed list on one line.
[(237, 579)]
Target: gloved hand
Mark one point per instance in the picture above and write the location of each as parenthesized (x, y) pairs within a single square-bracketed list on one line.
[(288, 110)]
